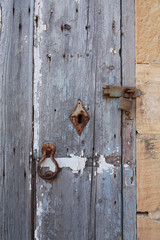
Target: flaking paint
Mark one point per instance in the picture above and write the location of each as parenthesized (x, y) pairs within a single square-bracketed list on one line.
[(104, 166), (75, 163), (37, 73)]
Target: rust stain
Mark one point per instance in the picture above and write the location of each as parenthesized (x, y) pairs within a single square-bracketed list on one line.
[(114, 159), (79, 117), (116, 91), (126, 104), (65, 27), (128, 141), (48, 150), (113, 26), (111, 68)]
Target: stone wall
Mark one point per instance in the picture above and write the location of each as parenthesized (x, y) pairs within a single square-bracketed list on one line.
[(148, 118)]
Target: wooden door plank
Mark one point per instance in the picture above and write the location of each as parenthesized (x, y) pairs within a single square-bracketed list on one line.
[(108, 121), (63, 74), (63, 207), (16, 118), (128, 128)]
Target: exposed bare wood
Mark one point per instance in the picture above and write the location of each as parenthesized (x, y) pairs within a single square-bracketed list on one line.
[(147, 31), (148, 127), (148, 107), (147, 228), (148, 167)]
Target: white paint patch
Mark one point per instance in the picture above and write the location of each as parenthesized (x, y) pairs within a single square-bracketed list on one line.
[(39, 209), (36, 234), (29, 182), (37, 72), (112, 50), (155, 215), (26, 39), (82, 153), (38, 219), (0, 19), (126, 166), (44, 27), (129, 177), (75, 163), (78, 1), (103, 166)]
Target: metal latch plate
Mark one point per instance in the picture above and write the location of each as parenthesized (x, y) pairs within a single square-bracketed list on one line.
[(79, 117), (116, 91)]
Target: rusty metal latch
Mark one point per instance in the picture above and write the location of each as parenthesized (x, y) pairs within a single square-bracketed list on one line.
[(116, 91), (126, 104), (48, 150)]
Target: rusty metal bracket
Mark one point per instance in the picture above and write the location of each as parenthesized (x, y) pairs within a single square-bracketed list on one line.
[(116, 91)]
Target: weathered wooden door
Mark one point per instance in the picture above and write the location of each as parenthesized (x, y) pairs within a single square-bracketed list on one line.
[(77, 50), (78, 47)]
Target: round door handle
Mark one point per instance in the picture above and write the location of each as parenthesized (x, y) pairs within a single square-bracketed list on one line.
[(48, 150)]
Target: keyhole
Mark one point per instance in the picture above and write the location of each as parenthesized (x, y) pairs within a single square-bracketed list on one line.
[(80, 118)]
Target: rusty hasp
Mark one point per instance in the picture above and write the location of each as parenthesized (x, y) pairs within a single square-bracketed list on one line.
[(79, 117), (116, 91), (48, 150), (126, 104)]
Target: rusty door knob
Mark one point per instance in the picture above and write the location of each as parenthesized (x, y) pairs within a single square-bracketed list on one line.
[(48, 150)]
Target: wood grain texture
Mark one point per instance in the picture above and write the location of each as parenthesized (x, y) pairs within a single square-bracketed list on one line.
[(108, 120), (148, 167), (148, 145), (16, 119), (148, 108), (148, 228), (63, 210), (148, 127), (77, 51), (75, 44), (63, 74), (128, 122)]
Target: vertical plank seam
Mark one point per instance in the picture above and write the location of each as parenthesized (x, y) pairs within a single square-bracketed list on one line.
[(121, 73), (93, 144), (94, 126), (135, 116), (5, 92), (87, 25), (32, 77)]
